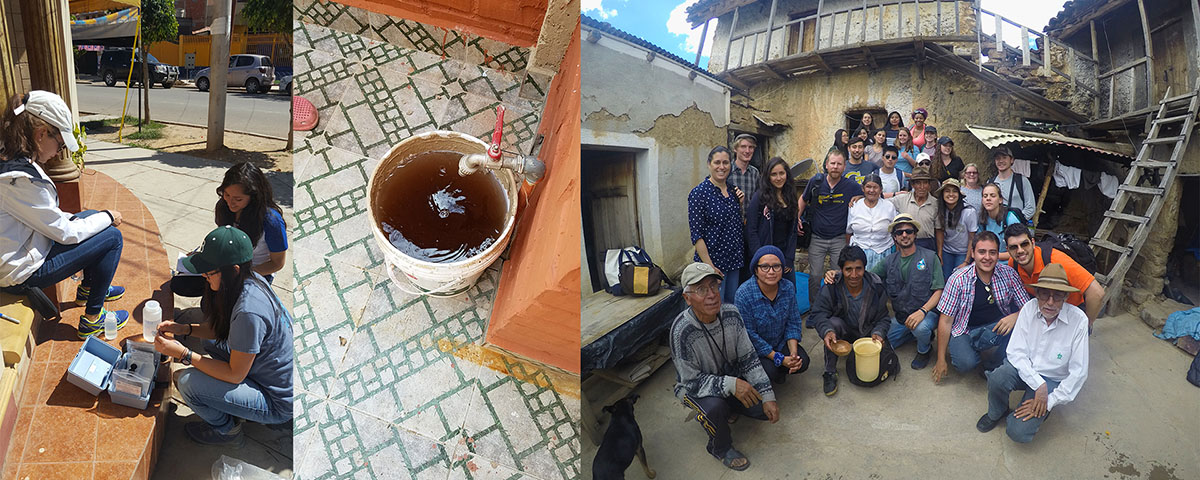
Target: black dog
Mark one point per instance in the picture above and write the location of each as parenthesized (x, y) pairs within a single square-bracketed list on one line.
[(622, 440)]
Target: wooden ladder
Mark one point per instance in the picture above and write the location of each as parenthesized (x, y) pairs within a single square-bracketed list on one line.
[(1145, 166)]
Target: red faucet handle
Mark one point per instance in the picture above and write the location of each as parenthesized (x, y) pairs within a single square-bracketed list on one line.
[(494, 151)]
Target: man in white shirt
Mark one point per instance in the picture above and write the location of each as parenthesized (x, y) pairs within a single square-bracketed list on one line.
[(1047, 358)]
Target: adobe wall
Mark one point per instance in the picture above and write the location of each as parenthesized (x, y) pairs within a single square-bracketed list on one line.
[(814, 106)]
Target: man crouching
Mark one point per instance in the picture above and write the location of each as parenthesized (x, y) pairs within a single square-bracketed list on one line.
[(717, 370), (1047, 358)]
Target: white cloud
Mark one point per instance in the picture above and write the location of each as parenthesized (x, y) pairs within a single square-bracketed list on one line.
[(677, 24), (594, 7)]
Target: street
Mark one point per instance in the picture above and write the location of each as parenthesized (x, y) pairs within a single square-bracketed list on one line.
[(265, 114)]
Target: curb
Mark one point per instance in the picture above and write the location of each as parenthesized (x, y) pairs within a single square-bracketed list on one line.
[(98, 116)]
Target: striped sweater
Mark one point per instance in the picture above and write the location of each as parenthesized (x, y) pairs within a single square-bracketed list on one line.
[(710, 367)]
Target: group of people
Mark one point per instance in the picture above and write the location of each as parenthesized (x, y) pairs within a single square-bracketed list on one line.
[(929, 254), (246, 370)]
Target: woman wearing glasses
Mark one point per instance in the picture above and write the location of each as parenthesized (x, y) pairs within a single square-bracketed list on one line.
[(771, 215), (972, 190), (40, 244)]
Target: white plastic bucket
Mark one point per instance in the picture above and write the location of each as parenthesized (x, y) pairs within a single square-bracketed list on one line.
[(438, 279), (866, 359)]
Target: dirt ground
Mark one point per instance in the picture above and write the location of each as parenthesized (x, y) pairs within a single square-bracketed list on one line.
[(267, 154)]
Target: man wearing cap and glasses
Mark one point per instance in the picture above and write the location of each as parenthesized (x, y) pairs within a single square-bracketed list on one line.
[(39, 243), (717, 369), (978, 309), (1047, 358)]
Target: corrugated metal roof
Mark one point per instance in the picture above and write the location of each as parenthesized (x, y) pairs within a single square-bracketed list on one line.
[(995, 136)]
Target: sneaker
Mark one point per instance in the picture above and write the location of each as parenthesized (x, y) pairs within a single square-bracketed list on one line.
[(921, 360), (114, 293), (87, 329), (986, 424), (830, 383), (204, 434)]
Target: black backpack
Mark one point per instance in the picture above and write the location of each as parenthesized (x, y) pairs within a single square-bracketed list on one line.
[(1075, 248), (1194, 372)]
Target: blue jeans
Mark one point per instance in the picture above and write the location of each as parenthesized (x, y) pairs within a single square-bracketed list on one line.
[(729, 286), (951, 261), (217, 401), (874, 258), (899, 334), (965, 349), (1003, 380), (97, 256)]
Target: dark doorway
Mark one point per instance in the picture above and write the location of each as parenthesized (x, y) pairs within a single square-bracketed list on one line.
[(609, 207)]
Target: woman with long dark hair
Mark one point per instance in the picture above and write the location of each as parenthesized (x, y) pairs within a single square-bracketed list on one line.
[(995, 216), (247, 372), (840, 139), (41, 245), (715, 221), (248, 203), (945, 164), (955, 228), (908, 152), (771, 215), (895, 123)]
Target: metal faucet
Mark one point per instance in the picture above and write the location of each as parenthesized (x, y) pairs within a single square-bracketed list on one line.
[(527, 166)]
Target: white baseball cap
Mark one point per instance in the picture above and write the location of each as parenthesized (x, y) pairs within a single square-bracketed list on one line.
[(51, 108)]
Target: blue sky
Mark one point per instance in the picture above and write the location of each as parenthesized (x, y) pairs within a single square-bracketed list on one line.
[(663, 22)]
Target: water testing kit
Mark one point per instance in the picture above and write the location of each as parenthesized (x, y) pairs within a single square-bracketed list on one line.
[(127, 376)]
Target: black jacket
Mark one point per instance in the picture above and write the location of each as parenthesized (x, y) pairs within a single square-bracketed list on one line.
[(832, 301)]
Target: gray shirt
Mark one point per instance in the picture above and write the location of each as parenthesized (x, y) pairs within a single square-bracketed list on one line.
[(261, 326), (1028, 205), (710, 357), (955, 239)]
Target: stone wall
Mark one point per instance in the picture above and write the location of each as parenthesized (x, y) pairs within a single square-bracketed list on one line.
[(813, 105)]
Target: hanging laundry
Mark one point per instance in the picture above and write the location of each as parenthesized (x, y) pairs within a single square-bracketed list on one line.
[(1021, 167), (1108, 185), (1066, 176)]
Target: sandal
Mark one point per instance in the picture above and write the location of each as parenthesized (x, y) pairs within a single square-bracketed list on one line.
[(732, 455)]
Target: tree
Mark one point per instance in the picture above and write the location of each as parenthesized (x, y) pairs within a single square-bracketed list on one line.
[(158, 25)]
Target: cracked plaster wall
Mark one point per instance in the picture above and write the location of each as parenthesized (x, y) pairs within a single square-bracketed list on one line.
[(814, 104), (671, 122)]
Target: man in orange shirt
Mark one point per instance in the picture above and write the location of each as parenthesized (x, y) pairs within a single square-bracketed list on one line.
[(1029, 257)]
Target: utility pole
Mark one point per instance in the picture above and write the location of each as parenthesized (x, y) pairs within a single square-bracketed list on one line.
[(222, 30)]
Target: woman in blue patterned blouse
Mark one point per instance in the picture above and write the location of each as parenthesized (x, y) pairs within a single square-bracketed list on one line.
[(715, 220)]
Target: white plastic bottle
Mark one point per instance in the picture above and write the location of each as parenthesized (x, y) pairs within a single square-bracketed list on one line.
[(110, 326), (151, 317)]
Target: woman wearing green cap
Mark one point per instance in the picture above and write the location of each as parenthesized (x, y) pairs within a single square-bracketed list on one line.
[(248, 370), (41, 245)]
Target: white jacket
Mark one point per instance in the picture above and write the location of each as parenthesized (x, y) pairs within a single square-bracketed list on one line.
[(31, 222)]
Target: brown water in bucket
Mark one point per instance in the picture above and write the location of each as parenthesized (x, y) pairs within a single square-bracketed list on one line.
[(431, 213)]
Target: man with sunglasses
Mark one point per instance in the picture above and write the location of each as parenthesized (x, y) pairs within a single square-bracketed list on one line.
[(912, 276), (717, 370), (1047, 358), (767, 303), (1032, 260), (978, 309), (892, 178)]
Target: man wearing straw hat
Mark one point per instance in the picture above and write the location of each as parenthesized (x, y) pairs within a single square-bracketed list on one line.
[(717, 370), (920, 205), (1047, 358)]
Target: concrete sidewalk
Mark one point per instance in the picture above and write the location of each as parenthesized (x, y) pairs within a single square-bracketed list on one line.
[(180, 191), (1135, 417)]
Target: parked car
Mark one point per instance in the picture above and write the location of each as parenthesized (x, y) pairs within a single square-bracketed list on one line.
[(115, 62), (285, 84), (254, 72)]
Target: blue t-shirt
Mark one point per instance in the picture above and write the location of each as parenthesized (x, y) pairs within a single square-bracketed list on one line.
[(273, 239), (261, 326), (829, 207), (902, 163), (998, 229), (718, 220), (859, 172)]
